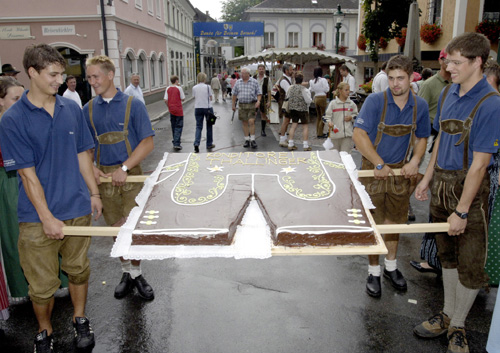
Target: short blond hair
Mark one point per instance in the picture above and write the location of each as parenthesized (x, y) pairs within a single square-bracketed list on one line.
[(340, 87), (104, 62), (202, 77)]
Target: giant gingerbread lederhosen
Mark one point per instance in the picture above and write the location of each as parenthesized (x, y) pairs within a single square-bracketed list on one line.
[(128, 191), (466, 252), (396, 185)]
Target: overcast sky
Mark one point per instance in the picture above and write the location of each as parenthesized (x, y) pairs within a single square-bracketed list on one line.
[(213, 7)]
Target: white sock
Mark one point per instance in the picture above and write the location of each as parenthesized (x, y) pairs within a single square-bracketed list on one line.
[(290, 143), (464, 300), (282, 138), (135, 271), (450, 282), (252, 137), (391, 265), (374, 270), (306, 144), (126, 264), (247, 138)]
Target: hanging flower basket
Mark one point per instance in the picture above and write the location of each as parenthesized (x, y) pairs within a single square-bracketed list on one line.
[(491, 29), (430, 33), (382, 43), (402, 39), (342, 50), (362, 42)]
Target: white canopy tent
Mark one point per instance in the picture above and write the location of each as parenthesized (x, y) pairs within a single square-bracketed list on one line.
[(292, 55)]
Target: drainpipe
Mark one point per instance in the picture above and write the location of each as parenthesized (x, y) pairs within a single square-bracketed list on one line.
[(104, 30)]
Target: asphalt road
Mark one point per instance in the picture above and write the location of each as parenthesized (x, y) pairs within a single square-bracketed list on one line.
[(282, 304)]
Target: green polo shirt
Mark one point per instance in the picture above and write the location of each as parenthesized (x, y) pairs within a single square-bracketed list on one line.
[(430, 91)]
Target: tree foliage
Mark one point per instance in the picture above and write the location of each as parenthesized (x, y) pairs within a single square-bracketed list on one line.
[(232, 10), (383, 19)]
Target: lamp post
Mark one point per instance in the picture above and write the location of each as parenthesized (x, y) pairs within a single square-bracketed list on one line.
[(338, 17)]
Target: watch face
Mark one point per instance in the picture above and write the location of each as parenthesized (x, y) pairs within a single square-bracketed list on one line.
[(379, 166)]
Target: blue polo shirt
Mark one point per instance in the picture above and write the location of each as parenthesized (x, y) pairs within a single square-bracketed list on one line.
[(485, 130), (109, 117), (393, 149), (30, 137)]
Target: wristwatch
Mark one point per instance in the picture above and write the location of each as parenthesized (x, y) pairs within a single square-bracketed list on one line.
[(462, 215), (380, 166), (125, 168)]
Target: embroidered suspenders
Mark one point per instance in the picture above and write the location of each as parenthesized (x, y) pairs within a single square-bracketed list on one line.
[(112, 137)]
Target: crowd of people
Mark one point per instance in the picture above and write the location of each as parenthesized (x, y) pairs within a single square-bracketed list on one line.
[(443, 139)]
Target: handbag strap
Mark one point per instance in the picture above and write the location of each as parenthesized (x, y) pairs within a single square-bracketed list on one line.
[(208, 97)]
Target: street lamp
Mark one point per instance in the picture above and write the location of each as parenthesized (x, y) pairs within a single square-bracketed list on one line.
[(338, 17)]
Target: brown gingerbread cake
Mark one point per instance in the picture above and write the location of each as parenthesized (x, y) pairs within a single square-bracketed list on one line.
[(307, 198)]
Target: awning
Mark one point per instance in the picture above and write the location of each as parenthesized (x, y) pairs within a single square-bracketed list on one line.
[(292, 55)]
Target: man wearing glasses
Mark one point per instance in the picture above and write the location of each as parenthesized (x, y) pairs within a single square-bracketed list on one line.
[(468, 121)]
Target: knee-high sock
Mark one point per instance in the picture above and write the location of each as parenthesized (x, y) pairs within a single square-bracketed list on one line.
[(450, 281), (465, 299), (263, 123), (135, 271), (126, 264)]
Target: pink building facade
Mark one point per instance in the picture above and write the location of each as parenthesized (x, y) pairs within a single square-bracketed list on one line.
[(135, 38)]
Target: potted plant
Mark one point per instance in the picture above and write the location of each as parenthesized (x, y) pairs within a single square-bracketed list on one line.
[(430, 33), (401, 40), (319, 47), (362, 42), (491, 29), (367, 87), (382, 43), (342, 50)]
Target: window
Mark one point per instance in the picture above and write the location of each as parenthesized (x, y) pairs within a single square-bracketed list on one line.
[(342, 38), (138, 4), (293, 39), (317, 39), (140, 69), (127, 68), (158, 8), (269, 39), (434, 9), (150, 7), (161, 71), (152, 63)]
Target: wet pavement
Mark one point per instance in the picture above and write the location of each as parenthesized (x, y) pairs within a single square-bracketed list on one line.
[(282, 304)]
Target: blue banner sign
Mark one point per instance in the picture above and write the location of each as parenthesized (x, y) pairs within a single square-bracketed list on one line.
[(228, 29)]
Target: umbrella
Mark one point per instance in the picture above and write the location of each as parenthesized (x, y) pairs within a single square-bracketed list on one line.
[(412, 44)]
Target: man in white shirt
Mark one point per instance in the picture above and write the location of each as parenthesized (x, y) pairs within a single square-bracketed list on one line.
[(134, 89), (71, 92), (380, 81)]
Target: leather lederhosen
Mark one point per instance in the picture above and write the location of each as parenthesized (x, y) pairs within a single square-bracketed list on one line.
[(395, 184)]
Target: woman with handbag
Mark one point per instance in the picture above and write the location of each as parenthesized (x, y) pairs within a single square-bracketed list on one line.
[(340, 114), (203, 97)]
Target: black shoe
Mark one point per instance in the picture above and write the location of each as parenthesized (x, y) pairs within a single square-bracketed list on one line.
[(396, 278), (417, 266), (324, 136), (210, 147), (263, 133), (373, 286), (84, 335), (196, 149), (253, 143), (125, 286), (143, 288), (177, 148), (246, 144), (43, 343)]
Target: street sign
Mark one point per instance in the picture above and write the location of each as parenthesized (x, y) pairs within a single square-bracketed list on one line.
[(228, 29)]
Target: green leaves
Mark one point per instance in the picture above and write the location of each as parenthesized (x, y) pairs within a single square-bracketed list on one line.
[(232, 10)]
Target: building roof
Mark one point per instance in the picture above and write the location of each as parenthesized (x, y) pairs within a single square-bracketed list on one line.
[(201, 16), (307, 4)]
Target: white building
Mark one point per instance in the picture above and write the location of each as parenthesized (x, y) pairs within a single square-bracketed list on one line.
[(303, 24)]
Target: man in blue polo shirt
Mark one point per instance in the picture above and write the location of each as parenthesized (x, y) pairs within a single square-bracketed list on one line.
[(468, 121), (384, 130), (45, 138), (124, 137)]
